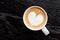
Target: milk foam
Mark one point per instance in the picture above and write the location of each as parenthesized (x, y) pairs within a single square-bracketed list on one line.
[(35, 20)]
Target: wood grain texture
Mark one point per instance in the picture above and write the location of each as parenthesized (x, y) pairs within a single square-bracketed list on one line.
[(12, 26)]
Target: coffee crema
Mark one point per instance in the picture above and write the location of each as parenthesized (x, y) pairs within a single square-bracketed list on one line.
[(38, 11)]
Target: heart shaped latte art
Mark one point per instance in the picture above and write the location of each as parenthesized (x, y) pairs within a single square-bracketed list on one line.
[(35, 20)]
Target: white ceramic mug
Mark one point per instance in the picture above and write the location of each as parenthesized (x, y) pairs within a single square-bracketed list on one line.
[(43, 28)]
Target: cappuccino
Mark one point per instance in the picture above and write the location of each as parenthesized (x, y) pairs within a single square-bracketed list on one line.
[(34, 18)]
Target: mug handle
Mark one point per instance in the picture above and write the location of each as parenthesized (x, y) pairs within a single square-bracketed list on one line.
[(45, 31)]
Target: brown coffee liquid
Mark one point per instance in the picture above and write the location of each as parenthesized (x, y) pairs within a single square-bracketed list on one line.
[(37, 11)]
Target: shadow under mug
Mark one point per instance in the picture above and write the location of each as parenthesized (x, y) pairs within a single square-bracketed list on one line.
[(43, 28)]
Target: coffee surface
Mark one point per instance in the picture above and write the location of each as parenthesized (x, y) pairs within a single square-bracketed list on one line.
[(37, 18)]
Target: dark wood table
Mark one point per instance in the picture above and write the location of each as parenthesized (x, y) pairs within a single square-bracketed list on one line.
[(13, 28)]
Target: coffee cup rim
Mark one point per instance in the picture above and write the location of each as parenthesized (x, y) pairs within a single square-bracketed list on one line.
[(40, 27)]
